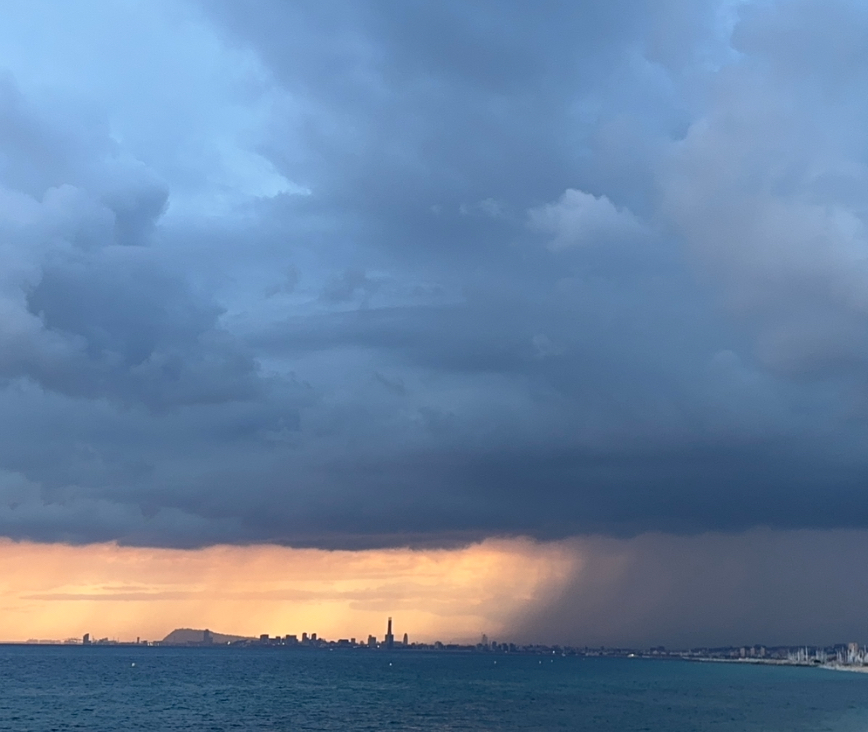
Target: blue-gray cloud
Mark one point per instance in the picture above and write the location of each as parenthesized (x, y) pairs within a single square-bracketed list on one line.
[(350, 274)]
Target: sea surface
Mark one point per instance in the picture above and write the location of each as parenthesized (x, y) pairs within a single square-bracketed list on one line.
[(164, 689)]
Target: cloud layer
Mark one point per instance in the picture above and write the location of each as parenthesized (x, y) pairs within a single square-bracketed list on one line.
[(431, 273)]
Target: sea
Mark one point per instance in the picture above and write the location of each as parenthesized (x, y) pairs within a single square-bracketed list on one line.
[(216, 689)]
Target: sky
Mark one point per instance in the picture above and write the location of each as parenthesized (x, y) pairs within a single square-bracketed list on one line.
[(580, 286), (126, 593)]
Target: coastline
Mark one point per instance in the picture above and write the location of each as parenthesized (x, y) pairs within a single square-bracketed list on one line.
[(783, 662), (842, 667)]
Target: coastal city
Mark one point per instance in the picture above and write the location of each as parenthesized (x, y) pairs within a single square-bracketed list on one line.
[(845, 656)]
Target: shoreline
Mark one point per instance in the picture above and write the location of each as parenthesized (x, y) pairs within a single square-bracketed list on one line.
[(784, 662), (841, 667)]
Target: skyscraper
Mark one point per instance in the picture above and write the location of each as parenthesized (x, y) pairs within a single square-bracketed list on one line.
[(390, 639)]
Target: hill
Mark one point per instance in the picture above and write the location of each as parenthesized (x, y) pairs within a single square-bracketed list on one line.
[(192, 637)]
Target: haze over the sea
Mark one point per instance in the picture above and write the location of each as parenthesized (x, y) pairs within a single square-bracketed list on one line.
[(546, 320)]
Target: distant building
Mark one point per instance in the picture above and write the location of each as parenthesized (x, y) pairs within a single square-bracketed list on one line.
[(85, 639), (406, 641), (292, 640), (207, 638), (389, 640), (372, 641), (304, 639)]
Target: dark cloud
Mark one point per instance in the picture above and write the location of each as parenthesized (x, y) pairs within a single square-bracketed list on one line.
[(357, 274), (136, 333)]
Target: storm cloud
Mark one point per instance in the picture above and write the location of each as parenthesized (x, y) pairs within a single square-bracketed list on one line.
[(370, 274)]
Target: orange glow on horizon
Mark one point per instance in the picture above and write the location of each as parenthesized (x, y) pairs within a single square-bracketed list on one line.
[(55, 591)]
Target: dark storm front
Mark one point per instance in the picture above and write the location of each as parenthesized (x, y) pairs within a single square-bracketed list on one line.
[(108, 689)]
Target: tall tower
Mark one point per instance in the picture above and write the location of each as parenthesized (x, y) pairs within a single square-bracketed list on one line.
[(390, 639)]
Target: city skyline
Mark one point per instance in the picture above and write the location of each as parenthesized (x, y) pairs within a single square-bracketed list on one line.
[(848, 656)]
